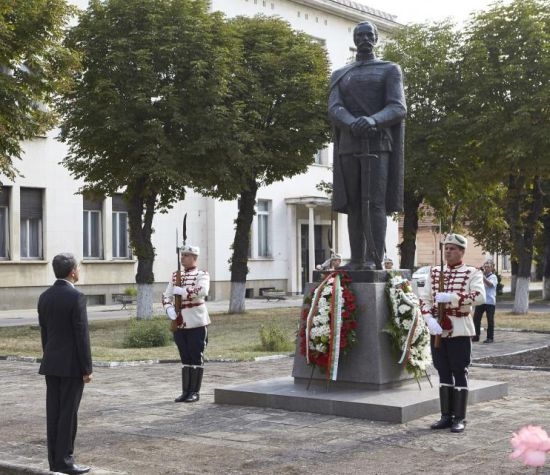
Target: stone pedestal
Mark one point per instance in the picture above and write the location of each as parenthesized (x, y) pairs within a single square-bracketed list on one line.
[(370, 364), (370, 384)]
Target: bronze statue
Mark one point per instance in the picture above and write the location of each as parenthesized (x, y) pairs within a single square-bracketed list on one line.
[(367, 110)]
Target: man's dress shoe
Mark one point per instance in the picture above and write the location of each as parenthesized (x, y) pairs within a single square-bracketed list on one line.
[(74, 469)]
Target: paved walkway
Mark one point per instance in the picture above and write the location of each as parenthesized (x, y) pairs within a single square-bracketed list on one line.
[(129, 425), (28, 316)]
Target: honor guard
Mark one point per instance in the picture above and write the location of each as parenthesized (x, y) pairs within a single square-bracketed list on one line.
[(454, 292), (187, 290)]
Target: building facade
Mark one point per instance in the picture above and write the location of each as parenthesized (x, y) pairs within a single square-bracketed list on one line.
[(42, 214)]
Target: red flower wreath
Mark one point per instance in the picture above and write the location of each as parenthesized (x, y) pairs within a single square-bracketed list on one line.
[(320, 355)]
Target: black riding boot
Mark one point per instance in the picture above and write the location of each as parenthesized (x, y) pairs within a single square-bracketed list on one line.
[(185, 377), (195, 384), (446, 404), (460, 401)]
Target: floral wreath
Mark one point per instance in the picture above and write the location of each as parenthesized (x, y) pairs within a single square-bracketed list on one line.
[(410, 338), (328, 324)]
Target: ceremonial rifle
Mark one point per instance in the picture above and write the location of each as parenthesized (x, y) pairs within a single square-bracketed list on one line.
[(177, 298), (441, 288), (441, 307)]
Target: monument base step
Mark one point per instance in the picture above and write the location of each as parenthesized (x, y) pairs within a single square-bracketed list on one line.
[(403, 404)]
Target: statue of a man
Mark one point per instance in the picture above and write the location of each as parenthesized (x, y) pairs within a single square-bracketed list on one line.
[(367, 110)]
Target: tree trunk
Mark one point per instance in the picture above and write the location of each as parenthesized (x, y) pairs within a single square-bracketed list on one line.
[(514, 276), (523, 214), (141, 210), (521, 300), (237, 297), (241, 244), (410, 230), (546, 259), (144, 300)]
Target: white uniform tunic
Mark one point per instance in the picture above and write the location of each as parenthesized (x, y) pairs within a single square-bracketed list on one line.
[(196, 284), (466, 285)]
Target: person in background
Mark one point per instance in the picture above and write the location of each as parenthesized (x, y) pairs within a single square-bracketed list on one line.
[(388, 263), (191, 322), (66, 363), (462, 289), (332, 263), (490, 281)]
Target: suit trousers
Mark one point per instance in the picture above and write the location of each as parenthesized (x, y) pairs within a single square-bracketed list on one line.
[(478, 314), (63, 397)]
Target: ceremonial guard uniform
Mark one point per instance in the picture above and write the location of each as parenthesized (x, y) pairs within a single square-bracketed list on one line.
[(190, 326), (462, 289)]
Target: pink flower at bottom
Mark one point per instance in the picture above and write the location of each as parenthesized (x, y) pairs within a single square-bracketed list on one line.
[(530, 445)]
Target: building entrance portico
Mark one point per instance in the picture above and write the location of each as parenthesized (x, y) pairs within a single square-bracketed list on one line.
[(313, 232)]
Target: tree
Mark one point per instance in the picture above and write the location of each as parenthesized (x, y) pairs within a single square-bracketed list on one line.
[(505, 72), (33, 68), (279, 91), (428, 55), (145, 114)]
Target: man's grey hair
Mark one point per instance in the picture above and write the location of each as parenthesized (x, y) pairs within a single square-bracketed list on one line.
[(63, 264)]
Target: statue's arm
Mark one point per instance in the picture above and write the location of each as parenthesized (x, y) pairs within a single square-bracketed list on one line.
[(337, 113), (395, 108)]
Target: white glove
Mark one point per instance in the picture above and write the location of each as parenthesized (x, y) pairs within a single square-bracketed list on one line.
[(444, 297), (171, 312), (179, 290), (433, 326)]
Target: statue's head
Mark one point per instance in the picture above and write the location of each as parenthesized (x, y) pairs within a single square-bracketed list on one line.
[(365, 36)]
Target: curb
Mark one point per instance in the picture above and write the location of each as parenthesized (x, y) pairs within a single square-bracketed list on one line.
[(7, 468)]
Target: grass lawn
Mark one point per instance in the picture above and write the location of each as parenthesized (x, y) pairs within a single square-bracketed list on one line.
[(234, 337), (231, 337)]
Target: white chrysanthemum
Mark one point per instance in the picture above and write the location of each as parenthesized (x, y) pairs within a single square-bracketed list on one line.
[(403, 308), (321, 319), (321, 348)]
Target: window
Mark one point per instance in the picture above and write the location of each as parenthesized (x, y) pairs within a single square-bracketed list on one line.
[(31, 223), (4, 228), (121, 249), (91, 226), (263, 213)]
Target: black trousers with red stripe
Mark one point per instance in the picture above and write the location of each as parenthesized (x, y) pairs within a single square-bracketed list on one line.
[(451, 360)]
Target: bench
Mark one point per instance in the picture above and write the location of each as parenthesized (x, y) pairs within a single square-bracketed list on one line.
[(274, 295), (124, 300)]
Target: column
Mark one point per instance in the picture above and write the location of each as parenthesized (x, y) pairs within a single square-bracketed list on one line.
[(311, 243)]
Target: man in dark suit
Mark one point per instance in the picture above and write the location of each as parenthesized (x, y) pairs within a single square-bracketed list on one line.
[(67, 361)]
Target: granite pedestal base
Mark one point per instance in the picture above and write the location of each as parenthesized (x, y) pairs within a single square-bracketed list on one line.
[(370, 383), (398, 405)]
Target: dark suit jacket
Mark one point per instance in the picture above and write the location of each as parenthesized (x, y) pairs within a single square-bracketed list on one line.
[(64, 329)]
